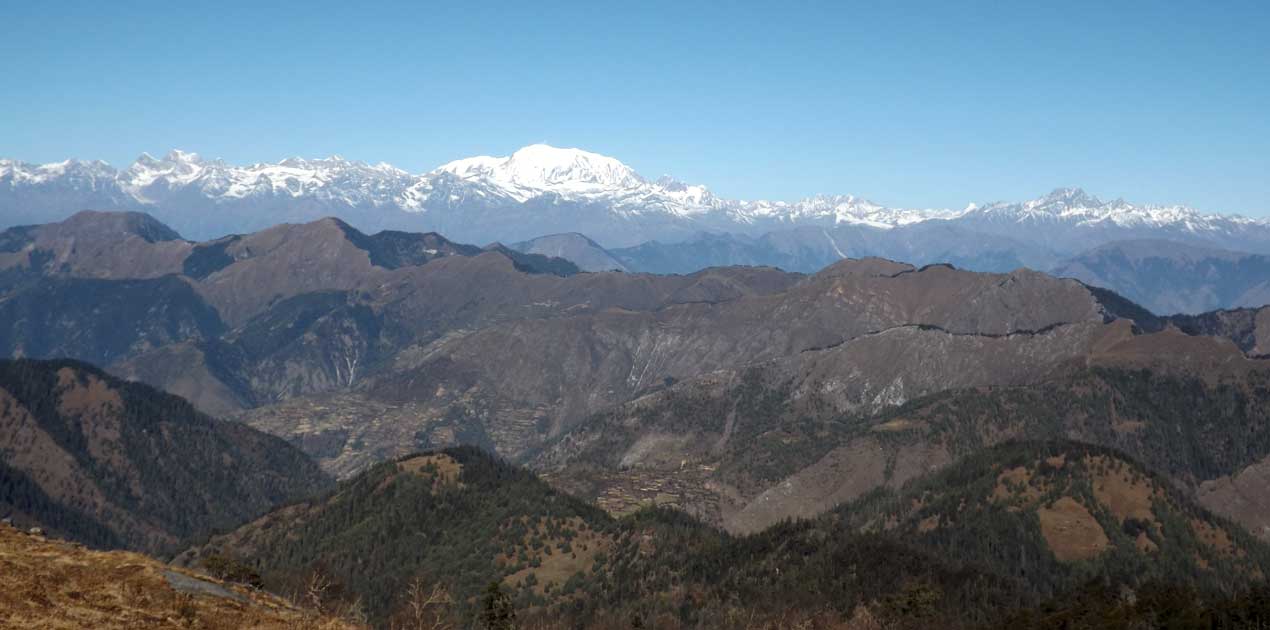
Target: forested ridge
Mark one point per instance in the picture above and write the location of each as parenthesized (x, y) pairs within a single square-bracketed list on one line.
[(116, 463), (460, 520)]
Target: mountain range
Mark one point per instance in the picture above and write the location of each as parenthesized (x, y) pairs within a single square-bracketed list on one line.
[(1164, 276), (659, 225), (359, 348), (618, 448)]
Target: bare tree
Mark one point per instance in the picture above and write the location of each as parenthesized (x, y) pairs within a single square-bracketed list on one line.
[(425, 608), (315, 590)]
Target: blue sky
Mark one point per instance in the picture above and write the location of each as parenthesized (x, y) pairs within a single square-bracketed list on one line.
[(909, 104)]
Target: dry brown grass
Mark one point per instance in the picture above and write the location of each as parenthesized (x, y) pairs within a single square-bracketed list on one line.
[(1071, 532), (60, 585), (1116, 487), (446, 469), (93, 396), (557, 567)]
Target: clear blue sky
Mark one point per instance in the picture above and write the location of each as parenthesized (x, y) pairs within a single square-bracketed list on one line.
[(909, 104)]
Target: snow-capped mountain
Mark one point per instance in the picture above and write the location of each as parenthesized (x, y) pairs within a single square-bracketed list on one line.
[(560, 190), (541, 189), (1073, 205), (43, 193), (151, 180), (1072, 220), (539, 168), (539, 177), (832, 210), (70, 172)]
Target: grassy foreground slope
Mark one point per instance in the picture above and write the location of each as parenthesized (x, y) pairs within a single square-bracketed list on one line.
[(47, 583)]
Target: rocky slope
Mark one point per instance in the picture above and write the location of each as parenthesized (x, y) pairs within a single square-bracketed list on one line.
[(115, 464)]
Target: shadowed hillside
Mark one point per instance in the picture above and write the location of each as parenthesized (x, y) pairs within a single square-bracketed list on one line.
[(116, 464)]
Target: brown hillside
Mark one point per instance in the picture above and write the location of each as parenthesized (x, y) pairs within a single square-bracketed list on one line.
[(114, 464), (46, 583)]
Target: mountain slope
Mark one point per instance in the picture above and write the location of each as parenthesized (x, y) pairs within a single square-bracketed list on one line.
[(96, 244), (574, 247), (1058, 514), (111, 288), (747, 448), (457, 519), (102, 321), (1170, 277), (512, 384), (457, 516), (112, 463)]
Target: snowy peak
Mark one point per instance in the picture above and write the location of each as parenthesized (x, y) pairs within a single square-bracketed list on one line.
[(178, 156), (70, 171), (150, 180), (543, 189), (543, 167), (1067, 198), (1076, 208), (177, 168), (564, 175), (830, 210), (540, 163), (852, 209)]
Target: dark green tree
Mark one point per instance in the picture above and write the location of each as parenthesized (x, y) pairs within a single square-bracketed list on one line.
[(496, 611)]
